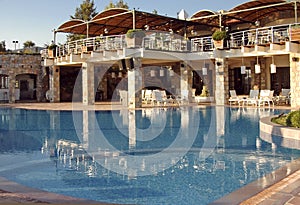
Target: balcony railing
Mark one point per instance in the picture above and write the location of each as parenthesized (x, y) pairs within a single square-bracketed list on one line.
[(165, 41), (261, 36)]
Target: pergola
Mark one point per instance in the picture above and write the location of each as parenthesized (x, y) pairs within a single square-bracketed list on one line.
[(117, 21), (249, 12)]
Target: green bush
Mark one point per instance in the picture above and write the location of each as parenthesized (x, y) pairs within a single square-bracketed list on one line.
[(296, 119), (137, 33), (293, 119), (219, 35)]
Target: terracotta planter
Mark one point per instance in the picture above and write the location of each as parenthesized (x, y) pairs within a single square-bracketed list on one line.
[(218, 44), (134, 42), (51, 53)]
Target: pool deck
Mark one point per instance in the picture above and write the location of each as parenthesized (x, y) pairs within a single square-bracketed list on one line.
[(283, 190)]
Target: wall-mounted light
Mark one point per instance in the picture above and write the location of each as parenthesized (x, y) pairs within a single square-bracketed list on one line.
[(120, 75), (113, 74)]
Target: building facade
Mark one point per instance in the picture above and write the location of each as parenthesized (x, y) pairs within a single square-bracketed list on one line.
[(259, 51)]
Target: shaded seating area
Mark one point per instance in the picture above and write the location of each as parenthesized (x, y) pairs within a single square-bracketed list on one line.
[(259, 98), (156, 97)]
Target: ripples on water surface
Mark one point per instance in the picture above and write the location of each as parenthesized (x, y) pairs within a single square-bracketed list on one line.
[(87, 154)]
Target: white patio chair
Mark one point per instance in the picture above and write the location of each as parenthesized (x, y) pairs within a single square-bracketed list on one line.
[(157, 98), (266, 98), (285, 96), (252, 99), (148, 96), (165, 97), (234, 99)]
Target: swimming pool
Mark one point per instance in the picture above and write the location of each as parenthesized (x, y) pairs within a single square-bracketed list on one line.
[(188, 155)]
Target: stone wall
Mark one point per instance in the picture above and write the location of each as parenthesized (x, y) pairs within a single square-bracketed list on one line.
[(295, 79), (16, 64)]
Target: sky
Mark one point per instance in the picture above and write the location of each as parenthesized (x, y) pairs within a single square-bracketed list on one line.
[(34, 20)]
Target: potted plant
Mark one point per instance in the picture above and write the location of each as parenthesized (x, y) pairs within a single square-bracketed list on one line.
[(134, 37), (52, 50), (218, 38)]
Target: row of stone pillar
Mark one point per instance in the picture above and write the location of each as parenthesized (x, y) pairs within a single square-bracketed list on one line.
[(135, 82)]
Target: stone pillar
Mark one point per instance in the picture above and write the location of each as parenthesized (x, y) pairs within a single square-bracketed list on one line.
[(186, 79), (88, 85), (54, 78), (295, 79), (135, 79), (12, 85), (222, 87)]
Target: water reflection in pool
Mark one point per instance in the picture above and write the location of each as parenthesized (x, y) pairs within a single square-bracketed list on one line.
[(151, 156)]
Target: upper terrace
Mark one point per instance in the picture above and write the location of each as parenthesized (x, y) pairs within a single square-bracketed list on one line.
[(255, 24), (277, 36)]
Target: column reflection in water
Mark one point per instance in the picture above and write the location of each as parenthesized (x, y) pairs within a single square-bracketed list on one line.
[(150, 146)]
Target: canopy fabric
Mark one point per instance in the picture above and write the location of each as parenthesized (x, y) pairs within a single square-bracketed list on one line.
[(117, 21), (248, 12)]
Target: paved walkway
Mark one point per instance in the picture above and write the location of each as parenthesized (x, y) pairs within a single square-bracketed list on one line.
[(284, 192)]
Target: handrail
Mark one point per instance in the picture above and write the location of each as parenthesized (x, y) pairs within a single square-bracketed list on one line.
[(165, 41)]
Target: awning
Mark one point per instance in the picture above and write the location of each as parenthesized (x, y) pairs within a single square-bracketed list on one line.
[(117, 21)]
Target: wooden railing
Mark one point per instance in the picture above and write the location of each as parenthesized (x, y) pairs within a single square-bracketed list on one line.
[(165, 41)]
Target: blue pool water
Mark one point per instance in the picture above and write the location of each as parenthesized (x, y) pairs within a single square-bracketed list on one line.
[(150, 156)]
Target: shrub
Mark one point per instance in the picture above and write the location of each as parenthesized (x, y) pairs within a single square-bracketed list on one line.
[(296, 119), (135, 33), (293, 119), (219, 35)]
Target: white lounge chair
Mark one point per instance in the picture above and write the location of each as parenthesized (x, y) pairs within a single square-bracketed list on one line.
[(252, 99), (157, 98), (147, 96), (234, 99), (266, 98), (284, 97)]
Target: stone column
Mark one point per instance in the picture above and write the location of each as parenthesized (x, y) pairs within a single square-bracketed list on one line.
[(222, 87), (54, 78), (186, 79), (88, 85), (12, 85), (135, 80), (295, 79)]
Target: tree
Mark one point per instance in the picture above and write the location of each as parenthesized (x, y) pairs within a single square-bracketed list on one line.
[(28, 44), (2, 46), (86, 11), (119, 4)]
